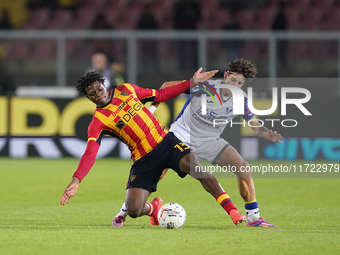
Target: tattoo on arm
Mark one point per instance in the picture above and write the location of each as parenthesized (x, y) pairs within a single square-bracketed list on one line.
[(262, 131)]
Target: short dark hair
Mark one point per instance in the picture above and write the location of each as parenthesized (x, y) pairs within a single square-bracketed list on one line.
[(244, 67), (87, 80)]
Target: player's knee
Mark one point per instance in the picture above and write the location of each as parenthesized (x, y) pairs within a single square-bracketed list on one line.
[(205, 178), (133, 212), (245, 167), (245, 164), (198, 175)]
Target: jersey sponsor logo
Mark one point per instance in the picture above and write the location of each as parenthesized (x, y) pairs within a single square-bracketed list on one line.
[(125, 103), (132, 111), (120, 124), (209, 112), (201, 121), (121, 106)]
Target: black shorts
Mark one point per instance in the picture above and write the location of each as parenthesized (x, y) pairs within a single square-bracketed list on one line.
[(145, 172)]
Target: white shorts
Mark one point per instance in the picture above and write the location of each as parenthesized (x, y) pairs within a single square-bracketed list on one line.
[(210, 150)]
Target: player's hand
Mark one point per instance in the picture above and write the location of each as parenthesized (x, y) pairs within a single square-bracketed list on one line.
[(202, 77), (274, 136), (70, 191)]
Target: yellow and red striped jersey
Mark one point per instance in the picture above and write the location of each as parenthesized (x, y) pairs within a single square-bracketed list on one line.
[(126, 117)]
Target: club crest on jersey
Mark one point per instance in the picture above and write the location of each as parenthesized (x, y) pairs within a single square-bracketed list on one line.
[(124, 93), (210, 94), (132, 178)]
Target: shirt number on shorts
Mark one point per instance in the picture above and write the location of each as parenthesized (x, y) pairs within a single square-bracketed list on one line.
[(182, 146)]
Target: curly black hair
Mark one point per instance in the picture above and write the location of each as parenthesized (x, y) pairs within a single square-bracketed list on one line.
[(87, 80), (244, 67)]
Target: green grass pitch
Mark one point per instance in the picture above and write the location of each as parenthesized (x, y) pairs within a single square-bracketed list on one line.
[(33, 222)]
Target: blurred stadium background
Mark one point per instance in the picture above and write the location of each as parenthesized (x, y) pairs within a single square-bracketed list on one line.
[(49, 44)]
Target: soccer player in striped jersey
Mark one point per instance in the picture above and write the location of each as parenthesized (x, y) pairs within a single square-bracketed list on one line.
[(199, 132), (121, 113)]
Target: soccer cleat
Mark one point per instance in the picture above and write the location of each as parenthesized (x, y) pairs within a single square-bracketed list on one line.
[(158, 203), (236, 217), (118, 221), (261, 222)]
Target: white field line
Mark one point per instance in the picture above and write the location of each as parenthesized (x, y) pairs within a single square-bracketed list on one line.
[(129, 227)]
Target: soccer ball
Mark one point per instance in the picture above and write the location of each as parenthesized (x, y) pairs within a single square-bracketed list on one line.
[(171, 215)]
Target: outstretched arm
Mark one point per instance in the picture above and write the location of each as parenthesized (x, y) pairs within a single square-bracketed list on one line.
[(85, 164), (153, 106), (264, 132), (168, 92), (198, 77)]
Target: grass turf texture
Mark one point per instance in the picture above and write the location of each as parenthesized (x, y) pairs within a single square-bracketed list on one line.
[(33, 222)]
